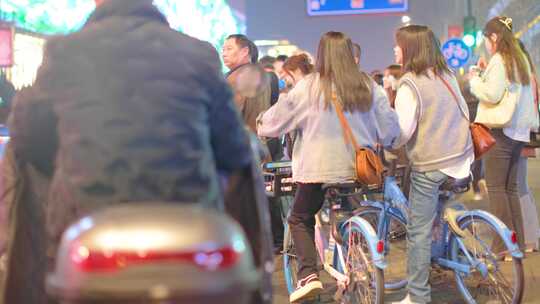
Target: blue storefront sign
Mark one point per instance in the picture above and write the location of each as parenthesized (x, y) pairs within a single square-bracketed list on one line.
[(456, 52), (346, 7)]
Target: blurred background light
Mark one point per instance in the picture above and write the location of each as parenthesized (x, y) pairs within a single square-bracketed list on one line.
[(35, 20), (406, 19), (210, 20), (469, 40)]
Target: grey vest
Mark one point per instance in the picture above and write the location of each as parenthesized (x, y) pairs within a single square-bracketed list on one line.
[(442, 138)]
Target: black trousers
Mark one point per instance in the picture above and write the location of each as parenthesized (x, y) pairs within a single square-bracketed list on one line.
[(307, 202), (276, 220), (503, 178)]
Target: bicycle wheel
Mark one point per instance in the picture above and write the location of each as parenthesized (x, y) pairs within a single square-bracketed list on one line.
[(290, 261), (395, 274), (501, 281), (366, 281)]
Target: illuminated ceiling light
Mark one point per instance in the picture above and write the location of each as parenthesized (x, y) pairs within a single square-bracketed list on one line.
[(406, 19)]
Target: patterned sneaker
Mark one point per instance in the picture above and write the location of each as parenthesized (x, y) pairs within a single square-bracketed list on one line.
[(307, 288)]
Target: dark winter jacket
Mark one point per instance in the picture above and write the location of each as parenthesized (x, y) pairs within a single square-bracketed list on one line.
[(128, 110)]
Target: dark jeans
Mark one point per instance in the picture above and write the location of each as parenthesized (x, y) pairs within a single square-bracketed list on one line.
[(307, 202), (478, 173), (503, 178)]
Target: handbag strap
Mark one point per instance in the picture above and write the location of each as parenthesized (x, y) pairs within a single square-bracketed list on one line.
[(347, 132), (455, 96)]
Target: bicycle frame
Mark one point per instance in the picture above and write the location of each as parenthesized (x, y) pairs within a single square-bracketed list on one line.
[(336, 268), (384, 217), (395, 204)]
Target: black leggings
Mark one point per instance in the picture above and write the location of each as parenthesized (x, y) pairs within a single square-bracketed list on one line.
[(307, 202), (503, 178)]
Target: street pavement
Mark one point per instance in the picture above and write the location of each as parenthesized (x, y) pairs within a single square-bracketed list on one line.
[(444, 290)]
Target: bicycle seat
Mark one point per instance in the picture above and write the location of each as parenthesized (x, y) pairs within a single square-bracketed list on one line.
[(457, 185)]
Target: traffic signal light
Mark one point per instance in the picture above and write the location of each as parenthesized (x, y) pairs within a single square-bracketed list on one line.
[(469, 31)]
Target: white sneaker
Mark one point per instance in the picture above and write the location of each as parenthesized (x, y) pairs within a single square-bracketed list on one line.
[(307, 288), (407, 300)]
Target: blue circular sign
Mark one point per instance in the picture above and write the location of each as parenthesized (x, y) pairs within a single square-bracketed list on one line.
[(456, 52)]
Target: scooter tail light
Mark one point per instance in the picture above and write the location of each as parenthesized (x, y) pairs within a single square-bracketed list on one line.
[(88, 260)]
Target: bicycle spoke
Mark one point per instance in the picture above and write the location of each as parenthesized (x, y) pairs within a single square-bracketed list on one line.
[(495, 284), (360, 269), (502, 286)]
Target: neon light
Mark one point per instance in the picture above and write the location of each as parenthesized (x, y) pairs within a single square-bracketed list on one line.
[(207, 20)]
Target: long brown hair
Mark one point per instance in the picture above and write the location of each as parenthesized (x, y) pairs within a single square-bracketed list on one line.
[(421, 50), (337, 70), (300, 61), (508, 47), (528, 56)]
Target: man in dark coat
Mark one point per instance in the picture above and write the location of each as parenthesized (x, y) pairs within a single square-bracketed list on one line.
[(127, 110), (239, 55), (141, 113)]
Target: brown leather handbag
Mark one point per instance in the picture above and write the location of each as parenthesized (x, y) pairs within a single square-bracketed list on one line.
[(368, 165), (481, 135)]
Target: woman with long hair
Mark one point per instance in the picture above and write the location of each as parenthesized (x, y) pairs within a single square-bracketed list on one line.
[(320, 154), (435, 129), (507, 71)]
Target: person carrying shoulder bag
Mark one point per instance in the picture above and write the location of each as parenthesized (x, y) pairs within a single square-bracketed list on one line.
[(505, 94), (320, 153), (433, 118)]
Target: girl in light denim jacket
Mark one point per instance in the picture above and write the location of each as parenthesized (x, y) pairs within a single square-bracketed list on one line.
[(320, 154)]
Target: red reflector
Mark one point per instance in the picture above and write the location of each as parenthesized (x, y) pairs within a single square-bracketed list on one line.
[(380, 246), (100, 261), (514, 237)]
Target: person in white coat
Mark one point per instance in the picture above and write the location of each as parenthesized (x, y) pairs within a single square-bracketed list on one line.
[(507, 73)]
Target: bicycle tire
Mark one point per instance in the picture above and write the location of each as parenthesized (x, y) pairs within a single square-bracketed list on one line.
[(395, 274), (359, 258), (290, 261), (475, 294)]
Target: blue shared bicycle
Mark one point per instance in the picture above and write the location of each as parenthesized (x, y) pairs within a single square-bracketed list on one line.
[(348, 246), (463, 242)]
